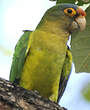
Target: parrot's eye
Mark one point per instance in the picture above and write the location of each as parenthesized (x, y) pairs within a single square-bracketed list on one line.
[(70, 12)]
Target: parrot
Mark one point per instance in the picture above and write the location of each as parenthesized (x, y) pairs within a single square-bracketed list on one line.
[(42, 60)]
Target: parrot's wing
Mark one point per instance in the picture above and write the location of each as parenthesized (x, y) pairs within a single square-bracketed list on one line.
[(19, 57), (65, 73)]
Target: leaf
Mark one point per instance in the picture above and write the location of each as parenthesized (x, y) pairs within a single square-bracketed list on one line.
[(52, 0), (86, 92), (5, 51), (80, 44), (65, 1), (79, 2)]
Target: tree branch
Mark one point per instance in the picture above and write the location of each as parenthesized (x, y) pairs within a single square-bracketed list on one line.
[(13, 97)]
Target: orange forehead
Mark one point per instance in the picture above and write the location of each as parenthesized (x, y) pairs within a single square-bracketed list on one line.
[(81, 12)]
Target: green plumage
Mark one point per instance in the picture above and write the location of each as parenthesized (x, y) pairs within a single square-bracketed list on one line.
[(42, 60), (19, 57)]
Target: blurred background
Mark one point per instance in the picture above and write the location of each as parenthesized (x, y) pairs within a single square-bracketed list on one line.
[(18, 15)]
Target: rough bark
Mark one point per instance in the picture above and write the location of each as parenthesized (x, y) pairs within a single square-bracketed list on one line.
[(13, 97)]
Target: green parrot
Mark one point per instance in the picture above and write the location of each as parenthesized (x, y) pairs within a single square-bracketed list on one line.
[(42, 60)]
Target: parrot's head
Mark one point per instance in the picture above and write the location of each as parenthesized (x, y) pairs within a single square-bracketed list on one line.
[(68, 17)]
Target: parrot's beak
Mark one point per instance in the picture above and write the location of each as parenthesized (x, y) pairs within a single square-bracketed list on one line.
[(81, 21), (78, 23)]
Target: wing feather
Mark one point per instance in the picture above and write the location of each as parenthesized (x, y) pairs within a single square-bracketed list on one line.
[(65, 73), (19, 57)]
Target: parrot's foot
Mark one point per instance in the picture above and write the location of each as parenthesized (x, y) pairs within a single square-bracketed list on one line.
[(36, 92), (53, 98)]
